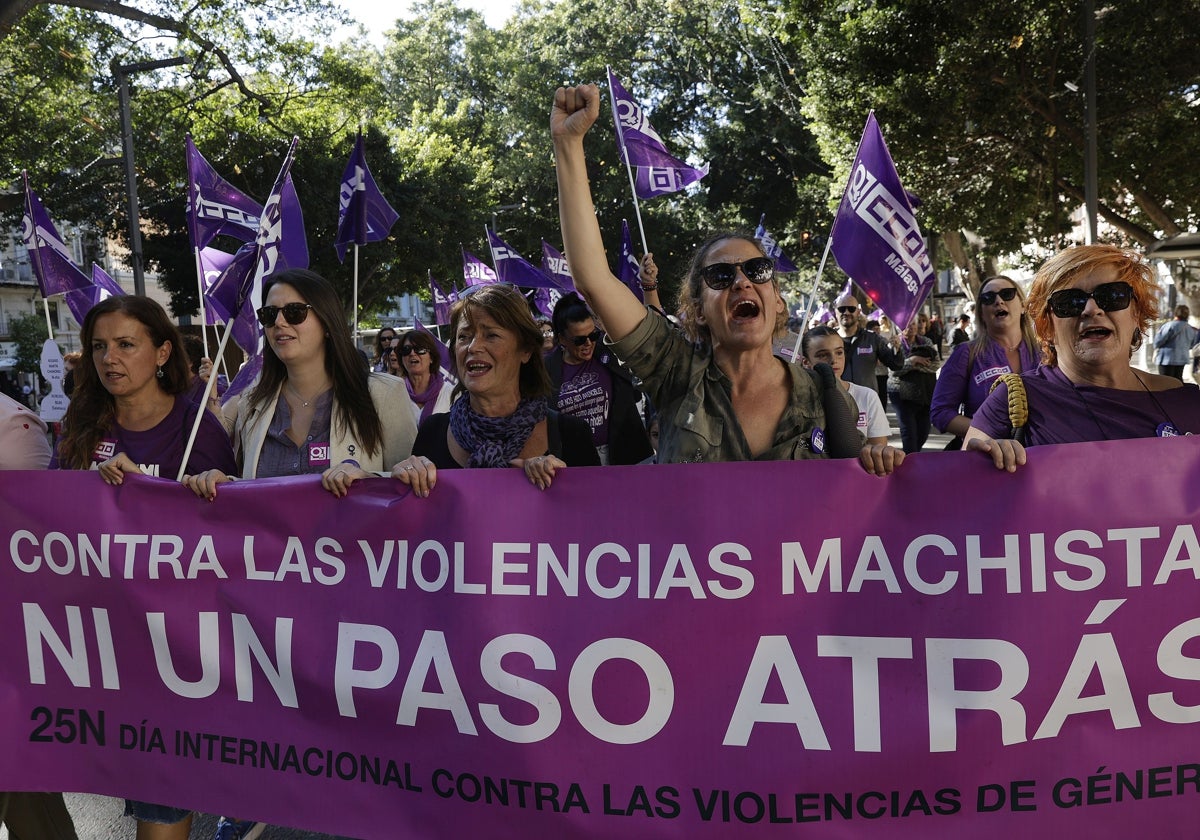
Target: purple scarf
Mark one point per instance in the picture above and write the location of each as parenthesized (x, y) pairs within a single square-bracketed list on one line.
[(427, 399), (494, 441)]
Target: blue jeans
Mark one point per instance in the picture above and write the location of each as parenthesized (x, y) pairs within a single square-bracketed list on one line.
[(914, 424)]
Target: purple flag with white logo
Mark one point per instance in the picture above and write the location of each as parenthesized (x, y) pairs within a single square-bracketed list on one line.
[(544, 301), (476, 272), (279, 244), (80, 301), (657, 171), (53, 265), (771, 246), (555, 265), (213, 261), (443, 352), (627, 268), (512, 268), (215, 206), (364, 215), (876, 239), (441, 301)]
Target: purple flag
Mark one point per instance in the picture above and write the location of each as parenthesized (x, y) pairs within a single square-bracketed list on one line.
[(212, 263), (545, 300), (237, 292), (512, 268), (443, 351), (555, 265), (214, 205), (823, 315), (771, 246), (441, 301), (364, 215), (53, 265), (80, 301), (244, 378), (627, 268), (476, 272), (875, 235), (658, 173)]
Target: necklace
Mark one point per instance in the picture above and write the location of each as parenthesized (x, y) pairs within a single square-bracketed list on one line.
[(306, 402)]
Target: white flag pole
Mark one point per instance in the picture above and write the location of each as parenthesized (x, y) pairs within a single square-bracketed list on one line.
[(209, 387), (637, 209), (203, 308), (355, 303), (812, 297)]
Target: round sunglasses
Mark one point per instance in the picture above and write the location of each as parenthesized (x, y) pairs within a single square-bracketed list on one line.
[(1110, 297), (720, 276)]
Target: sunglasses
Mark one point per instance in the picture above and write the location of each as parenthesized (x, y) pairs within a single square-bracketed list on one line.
[(846, 310), (408, 350), (989, 298), (720, 276), (293, 313), (593, 337), (1110, 297)]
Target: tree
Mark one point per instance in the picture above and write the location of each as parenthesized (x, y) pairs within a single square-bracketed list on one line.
[(974, 104), (29, 334)]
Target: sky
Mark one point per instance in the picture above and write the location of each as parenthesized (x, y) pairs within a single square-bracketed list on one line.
[(379, 15)]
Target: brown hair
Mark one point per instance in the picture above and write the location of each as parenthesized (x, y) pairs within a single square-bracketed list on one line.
[(1063, 268), (693, 287), (509, 309), (92, 413), (418, 338)]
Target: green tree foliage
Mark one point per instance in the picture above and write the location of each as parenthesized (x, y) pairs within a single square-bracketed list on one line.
[(29, 334), (974, 102)]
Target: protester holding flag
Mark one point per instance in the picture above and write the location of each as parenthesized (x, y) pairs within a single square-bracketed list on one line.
[(590, 383), (420, 368), (720, 392), (1091, 306), (1004, 343), (129, 414), (505, 418), (316, 408)]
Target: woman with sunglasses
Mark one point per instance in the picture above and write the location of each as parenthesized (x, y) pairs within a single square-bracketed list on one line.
[(1090, 306), (316, 408), (721, 393), (589, 383), (421, 369), (1004, 343)]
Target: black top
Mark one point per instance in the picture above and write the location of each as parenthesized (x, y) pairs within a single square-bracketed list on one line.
[(570, 440)]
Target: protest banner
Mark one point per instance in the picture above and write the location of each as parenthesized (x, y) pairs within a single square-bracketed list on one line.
[(734, 650)]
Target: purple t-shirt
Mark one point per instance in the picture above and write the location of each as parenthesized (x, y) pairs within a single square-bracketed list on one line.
[(586, 393), (957, 386), (1060, 412), (159, 451)]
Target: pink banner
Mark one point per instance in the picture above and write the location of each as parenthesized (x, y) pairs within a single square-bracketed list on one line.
[(680, 651)]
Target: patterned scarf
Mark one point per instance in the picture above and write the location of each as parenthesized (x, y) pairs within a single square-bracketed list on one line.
[(494, 441), (427, 399)]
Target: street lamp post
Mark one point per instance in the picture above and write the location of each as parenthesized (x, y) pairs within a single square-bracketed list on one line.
[(121, 73)]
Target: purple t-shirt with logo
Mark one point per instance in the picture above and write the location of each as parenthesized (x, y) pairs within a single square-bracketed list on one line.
[(586, 393), (159, 451), (963, 384), (1061, 412)]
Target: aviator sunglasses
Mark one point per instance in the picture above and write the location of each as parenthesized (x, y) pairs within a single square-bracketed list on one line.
[(1111, 297), (989, 298), (720, 276), (593, 337), (293, 313)]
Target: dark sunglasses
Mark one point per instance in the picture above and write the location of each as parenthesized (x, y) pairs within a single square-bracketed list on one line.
[(593, 337), (1111, 297), (845, 310), (293, 313), (720, 276), (989, 298), (408, 350)]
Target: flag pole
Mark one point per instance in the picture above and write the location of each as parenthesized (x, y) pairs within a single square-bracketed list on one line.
[(355, 304), (637, 208), (203, 308), (812, 297), (209, 388)]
